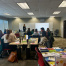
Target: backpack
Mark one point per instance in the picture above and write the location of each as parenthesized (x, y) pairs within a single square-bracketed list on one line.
[(13, 57)]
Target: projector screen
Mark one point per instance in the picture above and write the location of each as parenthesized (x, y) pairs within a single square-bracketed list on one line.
[(40, 25)]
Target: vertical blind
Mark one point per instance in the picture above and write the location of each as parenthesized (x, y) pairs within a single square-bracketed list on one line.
[(3, 25)]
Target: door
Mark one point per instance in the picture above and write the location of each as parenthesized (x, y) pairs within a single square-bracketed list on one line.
[(65, 29)]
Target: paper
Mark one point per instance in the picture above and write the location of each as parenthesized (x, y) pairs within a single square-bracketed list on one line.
[(60, 61), (26, 36), (17, 42), (63, 56)]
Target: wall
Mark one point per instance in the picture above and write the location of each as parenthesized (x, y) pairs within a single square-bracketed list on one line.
[(61, 27), (3, 18), (14, 23)]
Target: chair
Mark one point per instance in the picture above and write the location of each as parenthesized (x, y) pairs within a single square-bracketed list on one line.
[(40, 58), (17, 35), (0, 49), (4, 47)]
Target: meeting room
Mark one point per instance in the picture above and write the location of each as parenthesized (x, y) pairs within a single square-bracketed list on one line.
[(32, 33)]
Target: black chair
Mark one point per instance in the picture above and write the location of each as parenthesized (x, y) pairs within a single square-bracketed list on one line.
[(4, 47), (1, 49)]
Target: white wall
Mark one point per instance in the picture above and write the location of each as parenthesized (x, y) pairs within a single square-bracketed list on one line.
[(61, 27)]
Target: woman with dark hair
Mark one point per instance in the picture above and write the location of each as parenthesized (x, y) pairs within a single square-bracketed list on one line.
[(24, 28), (1, 34)]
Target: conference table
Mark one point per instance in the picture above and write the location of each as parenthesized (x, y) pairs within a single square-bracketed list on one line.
[(31, 41), (31, 44)]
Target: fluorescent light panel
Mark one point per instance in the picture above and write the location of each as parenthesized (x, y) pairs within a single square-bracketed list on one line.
[(56, 12), (6, 14), (63, 4), (23, 5), (30, 13)]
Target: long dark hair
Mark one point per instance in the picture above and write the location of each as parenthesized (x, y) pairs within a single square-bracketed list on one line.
[(8, 33)]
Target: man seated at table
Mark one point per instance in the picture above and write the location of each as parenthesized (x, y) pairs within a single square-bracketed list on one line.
[(43, 32), (29, 32)]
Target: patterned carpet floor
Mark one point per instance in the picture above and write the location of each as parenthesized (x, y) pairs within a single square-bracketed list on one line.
[(59, 42)]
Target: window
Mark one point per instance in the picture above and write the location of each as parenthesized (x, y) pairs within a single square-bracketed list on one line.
[(3, 25)]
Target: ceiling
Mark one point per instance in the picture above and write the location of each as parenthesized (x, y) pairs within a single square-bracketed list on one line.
[(40, 8)]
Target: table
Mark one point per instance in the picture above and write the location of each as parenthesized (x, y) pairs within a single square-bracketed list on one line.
[(24, 42), (32, 43), (51, 54)]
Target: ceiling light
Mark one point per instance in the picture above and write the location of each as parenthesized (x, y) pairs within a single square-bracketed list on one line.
[(30, 13), (56, 12), (6, 14), (52, 16), (63, 4), (23, 5)]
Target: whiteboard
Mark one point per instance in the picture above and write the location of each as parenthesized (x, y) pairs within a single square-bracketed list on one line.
[(28, 25), (40, 25), (37, 26)]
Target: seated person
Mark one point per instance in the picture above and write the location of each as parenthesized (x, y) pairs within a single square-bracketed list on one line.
[(5, 30), (29, 32), (36, 33), (32, 31), (48, 33), (1, 34), (9, 37), (43, 32), (43, 40)]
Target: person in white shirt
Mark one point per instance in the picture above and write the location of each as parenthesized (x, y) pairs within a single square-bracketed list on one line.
[(9, 37), (36, 33)]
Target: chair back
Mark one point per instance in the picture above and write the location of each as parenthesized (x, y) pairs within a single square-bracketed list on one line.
[(40, 58), (5, 46), (2, 44), (17, 35)]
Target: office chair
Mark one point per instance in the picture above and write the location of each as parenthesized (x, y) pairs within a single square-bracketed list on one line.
[(40, 58)]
